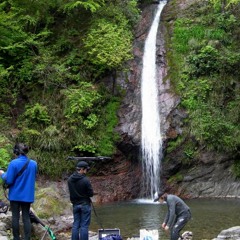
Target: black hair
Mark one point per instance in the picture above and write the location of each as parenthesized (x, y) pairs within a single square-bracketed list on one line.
[(20, 149)]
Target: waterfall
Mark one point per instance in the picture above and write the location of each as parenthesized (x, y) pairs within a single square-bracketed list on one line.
[(151, 132)]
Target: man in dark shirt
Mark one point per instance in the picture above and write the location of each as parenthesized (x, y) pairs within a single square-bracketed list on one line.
[(177, 216), (80, 190)]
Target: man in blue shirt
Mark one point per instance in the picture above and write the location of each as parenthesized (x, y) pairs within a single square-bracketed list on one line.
[(21, 177), (177, 216)]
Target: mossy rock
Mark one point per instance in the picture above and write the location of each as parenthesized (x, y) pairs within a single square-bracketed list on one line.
[(50, 203)]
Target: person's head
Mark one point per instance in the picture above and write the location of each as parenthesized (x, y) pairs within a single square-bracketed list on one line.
[(161, 197), (82, 167), (20, 149)]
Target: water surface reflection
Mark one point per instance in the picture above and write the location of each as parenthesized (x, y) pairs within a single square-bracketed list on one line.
[(210, 216)]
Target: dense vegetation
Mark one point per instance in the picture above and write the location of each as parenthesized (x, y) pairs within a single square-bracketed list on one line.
[(53, 57), (205, 70)]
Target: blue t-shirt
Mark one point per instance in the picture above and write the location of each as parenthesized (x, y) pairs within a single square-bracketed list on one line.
[(22, 188)]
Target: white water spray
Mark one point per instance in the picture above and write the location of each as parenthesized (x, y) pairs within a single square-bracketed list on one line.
[(151, 133)]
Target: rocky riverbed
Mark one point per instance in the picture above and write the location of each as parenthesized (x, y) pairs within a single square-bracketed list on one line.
[(61, 226), (52, 206)]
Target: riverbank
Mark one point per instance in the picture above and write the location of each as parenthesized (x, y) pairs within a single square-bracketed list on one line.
[(209, 216), (61, 227)]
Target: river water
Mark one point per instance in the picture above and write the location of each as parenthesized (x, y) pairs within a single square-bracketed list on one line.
[(209, 217)]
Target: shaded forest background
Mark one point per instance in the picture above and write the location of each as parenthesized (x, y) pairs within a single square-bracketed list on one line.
[(56, 55)]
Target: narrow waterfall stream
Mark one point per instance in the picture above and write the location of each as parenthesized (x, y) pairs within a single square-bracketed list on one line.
[(151, 142)]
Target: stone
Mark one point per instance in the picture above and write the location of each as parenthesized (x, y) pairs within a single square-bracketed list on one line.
[(232, 233)]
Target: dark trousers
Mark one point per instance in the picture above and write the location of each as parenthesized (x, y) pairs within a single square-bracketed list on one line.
[(82, 219), (16, 207), (179, 223)]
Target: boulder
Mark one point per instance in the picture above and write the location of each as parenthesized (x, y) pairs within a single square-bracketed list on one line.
[(232, 233)]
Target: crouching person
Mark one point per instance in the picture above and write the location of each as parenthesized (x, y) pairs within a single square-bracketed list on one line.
[(177, 216)]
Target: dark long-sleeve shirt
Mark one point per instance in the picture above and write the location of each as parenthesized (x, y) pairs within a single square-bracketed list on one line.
[(176, 207), (80, 189)]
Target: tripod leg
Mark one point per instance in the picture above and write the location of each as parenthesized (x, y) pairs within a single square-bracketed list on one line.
[(44, 235)]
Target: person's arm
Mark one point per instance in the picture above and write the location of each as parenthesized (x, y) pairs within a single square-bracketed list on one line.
[(89, 189), (10, 175), (171, 213), (164, 224), (166, 218)]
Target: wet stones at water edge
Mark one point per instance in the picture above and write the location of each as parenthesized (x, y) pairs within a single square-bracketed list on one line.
[(232, 233)]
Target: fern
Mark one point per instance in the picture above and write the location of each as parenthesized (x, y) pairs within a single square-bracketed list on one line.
[(92, 5)]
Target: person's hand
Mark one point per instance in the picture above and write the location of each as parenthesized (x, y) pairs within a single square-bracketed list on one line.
[(1, 172), (166, 228), (163, 225)]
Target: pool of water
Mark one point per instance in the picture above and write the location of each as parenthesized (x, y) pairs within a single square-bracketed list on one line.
[(209, 217)]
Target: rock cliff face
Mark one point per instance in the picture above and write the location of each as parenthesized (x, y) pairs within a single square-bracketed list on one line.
[(206, 175)]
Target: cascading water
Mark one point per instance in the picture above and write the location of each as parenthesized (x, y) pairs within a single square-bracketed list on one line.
[(151, 133)]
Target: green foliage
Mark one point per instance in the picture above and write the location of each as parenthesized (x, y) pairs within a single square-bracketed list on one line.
[(80, 102), (4, 157), (37, 115), (194, 91), (53, 57), (51, 163), (183, 34), (190, 152), (108, 45), (226, 22), (5, 152), (204, 62), (131, 11), (100, 139), (54, 54), (48, 71), (175, 178), (31, 13), (107, 140), (209, 126), (184, 144), (92, 5), (236, 168), (120, 12), (29, 136), (91, 121), (50, 139), (223, 4), (174, 144), (85, 149), (205, 58)]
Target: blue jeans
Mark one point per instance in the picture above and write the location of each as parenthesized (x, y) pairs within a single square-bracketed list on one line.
[(81, 221), (16, 207), (180, 222)]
